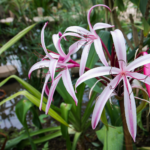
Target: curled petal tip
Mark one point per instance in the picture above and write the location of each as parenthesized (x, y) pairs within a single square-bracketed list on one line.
[(76, 103), (46, 112), (46, 23), (29, 75), (40, 108)]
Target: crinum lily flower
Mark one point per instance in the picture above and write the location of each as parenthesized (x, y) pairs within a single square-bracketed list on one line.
[(54, 61), (87, 38), (123, 73)]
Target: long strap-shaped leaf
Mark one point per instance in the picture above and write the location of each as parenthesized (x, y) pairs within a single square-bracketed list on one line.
[(16, 38), (13, 142), (26, 85), (36, 102)]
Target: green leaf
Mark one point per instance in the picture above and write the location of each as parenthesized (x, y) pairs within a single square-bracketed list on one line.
[(114, 114), (80, 93), (120, 5), (65, 108), (88, 110), (16, 38), (36, 102), (22, 108), (139, 120), (45, 146), (111, 138), (26, 85), (146, 27), (106, 38), (131, 55), (23, 136), (42, 117), (75, 140), (141, 4), (104, 119), (41, 139), (36, 121)]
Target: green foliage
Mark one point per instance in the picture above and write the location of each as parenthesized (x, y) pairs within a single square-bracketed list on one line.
[(16, 38), (22, 108), (146, 27), (76, 138), (120, 5), (17, 141), (65, 108), (111, 138), (141, 4)]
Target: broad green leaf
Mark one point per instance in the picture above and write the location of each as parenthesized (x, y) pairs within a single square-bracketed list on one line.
[(35, 119), (106, 38), (16, 38), (114, 114), (104, 118), (76, 138), (112, 138), (65, 95), (36, 102), (120, 5), (141, 4), (65, 108), (22, 108), (23, 136), (146, 27)]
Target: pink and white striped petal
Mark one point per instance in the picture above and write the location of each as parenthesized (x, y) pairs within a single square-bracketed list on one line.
[(140, 61), (140, 77), (74, 48), (56, 38), (47, 90), (68, 84), (102, 26), (102, 99), (42, 41), (96, 72), (78, 29), (120, 47), (89, 13), (84, 57), (99, 51), (146, 71), (52, 68), (38, 65), (51, 92), (130, 108), (44, 87)]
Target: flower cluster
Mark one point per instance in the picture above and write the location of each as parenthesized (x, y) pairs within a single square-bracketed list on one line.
[(122, 73)]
